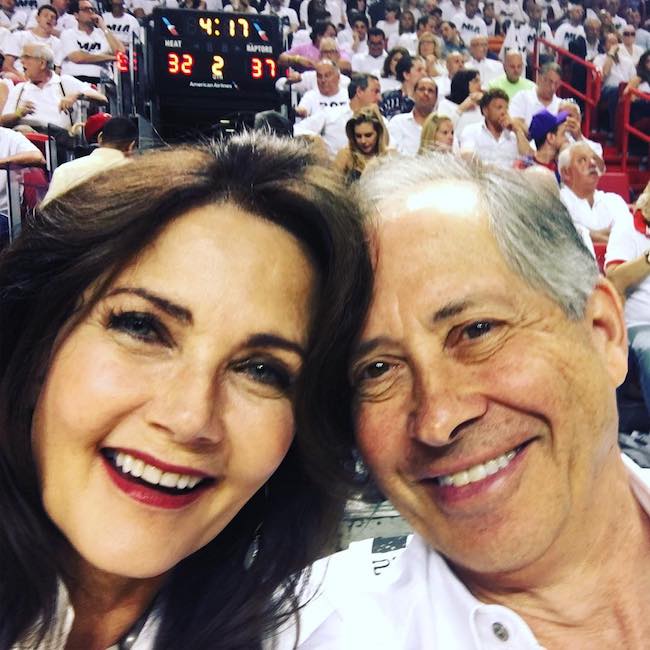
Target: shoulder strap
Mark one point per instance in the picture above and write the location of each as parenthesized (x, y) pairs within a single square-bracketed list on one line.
[(63, 95)]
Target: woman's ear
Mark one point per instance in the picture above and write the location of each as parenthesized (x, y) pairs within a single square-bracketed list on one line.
[(604, 314)]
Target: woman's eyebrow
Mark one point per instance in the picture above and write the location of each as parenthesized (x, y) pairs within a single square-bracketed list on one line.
[(267, 340), (177, 312)]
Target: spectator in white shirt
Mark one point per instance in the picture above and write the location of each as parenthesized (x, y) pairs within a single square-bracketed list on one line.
[(497, 140), (451, 8), (509, 12), (359, 26), (288, 17), (42, 34), (406, 36), (373, 61), (328, 93), (521, 36), (390, 24), (10, 17), (455, 61), (629, 46), (489, 68), (405, 129), (469, 23), (567, 32), (528, 102), (592, 37), (461, 105), (64, 19), (574, 129), (120, 23), (451, 38), (88, 50)]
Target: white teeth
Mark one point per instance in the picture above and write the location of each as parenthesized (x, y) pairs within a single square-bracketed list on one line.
[(138, 468), (477, 472)]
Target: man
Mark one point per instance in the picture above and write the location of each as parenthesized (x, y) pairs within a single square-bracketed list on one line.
[(116, 140), (451, 39), (574, 130), (330, 122), (592, 37), (567, 32), (543, 97), (121, 24), (595, 210), (509, 12), (513, 81), (288, 17), (405, 129), (15, 149), (409, 40), (521, 36), (42, 34), (45, 98), (469, 22), (548, 133), (359, 27), (498, 140), (451, 8), (64, 19), (373, 61), (328, 93), (627, 265), (455, 61), (10, 17), (409, 71), (489, 68), (484, 406), (87, 50), (642, 39)]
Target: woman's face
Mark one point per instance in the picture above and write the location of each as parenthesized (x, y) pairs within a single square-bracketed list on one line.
[(475, 84), (427, 47), (365, 137), (444, 135), (407, 21), (167, 407), (394, 61)]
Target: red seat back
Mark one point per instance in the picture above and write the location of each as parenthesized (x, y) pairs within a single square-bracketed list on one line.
[(616, 182)]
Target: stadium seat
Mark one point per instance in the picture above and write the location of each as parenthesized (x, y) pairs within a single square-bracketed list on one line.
[(616, 182)]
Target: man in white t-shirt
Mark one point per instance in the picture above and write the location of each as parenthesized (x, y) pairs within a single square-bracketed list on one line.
[(588, 206), (469, 22), (329, 92), (64, 19), (489, 68), (10, 17), (405, 129), (543, 97), (568, 31), (41, 34), (451, 8), (373, 61), (45, 98), (120, 23), (89, 49), (287, 16)]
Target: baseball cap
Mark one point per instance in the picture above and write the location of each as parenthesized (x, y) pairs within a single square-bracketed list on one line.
[(544, 122), (94, 124)]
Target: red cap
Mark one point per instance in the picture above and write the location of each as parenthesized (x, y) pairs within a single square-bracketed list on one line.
[(94, 124)]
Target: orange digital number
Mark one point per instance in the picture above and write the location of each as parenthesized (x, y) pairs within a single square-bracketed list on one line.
[(270, 64), (256, 68), (173, 63), (186, 64), (206, 25)]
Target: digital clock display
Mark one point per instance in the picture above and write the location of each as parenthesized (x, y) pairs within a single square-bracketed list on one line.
[(206, 52)]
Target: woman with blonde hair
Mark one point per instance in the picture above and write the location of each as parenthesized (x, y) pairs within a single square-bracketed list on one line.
[(429, 50), (437, 134), (367, 138)]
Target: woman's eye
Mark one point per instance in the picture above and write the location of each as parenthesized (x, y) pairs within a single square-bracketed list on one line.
[(265, 372), (139, 325), (478, 329), (374, 370)]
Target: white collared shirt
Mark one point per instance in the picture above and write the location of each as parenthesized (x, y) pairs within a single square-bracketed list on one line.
[(368, 64), (488, 69), (405, 133), (526, 103), (607, 208), (478, 140), (417, 603)]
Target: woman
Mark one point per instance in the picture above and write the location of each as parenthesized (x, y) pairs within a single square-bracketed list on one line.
[(156, 338), (437, 134), (388, 81), (367, 138), (461, 105), (405, 36), (429, 50), (640, 108)]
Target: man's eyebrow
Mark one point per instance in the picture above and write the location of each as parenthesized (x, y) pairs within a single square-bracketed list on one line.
[(267, 340), (177, 312)]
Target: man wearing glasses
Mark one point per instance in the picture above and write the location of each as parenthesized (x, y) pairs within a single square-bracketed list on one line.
[(90, 48)]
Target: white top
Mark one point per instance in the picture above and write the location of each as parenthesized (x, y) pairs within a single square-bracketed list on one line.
[(554, 5), (417, 603), (46, 99), (522, 37), (329, 124), (368, 64), (122, 27), (607, 208), (489, 69), (627, 241), (469, 27), (75, 40), (389, 29), (449, 10), (501, 152), (405, 133), (17, 20), (526, 103), (77, 171), (11, 144), (314, 100), (459, 120), (408, 40), (249, 10), (619, 73), (64, 21), (566, 33), (17, 41), (635, 54), (509, 11)]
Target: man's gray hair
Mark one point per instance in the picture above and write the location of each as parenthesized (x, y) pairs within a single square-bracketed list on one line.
[(531, 226), (40, 51), (551, 66), (564, 159)]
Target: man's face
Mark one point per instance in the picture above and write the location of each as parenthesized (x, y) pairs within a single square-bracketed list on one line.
[(33, 66), (369, 95), (418, 70), (425, 95), (360, 29), (87, 14), (558, 139), (582, 174), (471, 7), (60, 5), (592, 31), (575, 15), (454, 63), (329, 50), (327, 79), (375, 45), (46, 20), (548, 84), (8, 5), (447, 32), (495, 112), (478, 48), (487, 457), (513, 66), (534, 12), (427, 27)]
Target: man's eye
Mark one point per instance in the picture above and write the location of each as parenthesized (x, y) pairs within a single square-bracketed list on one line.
[(478, 329), (265, 372), (374, 370), (139, 325)]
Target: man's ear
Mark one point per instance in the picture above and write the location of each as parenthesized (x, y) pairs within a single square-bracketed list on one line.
[(604, 315)]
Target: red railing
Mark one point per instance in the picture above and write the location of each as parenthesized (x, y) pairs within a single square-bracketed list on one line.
[(627, 127), (591, 96)]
